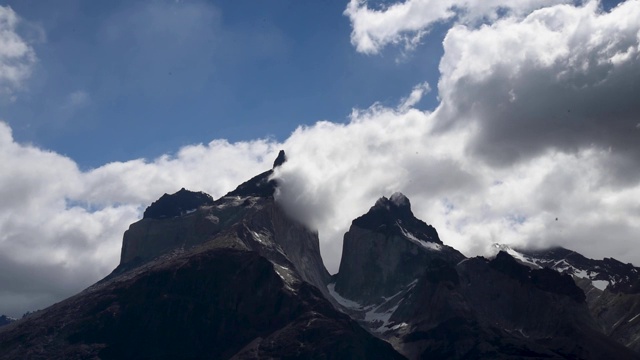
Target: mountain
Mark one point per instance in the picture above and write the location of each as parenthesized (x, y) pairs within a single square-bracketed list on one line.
[(233, 278), (385, 250), (402, 283), (612, 288), (237, 278)]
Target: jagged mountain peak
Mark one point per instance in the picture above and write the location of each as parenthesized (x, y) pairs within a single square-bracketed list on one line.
[(261, 185), (397, 204), (177, 204), (281, 159), (393, 215), (386, 249), (606, 273), (544, 279)]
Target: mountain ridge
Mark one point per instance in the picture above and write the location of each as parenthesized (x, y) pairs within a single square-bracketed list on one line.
[(236, 278)]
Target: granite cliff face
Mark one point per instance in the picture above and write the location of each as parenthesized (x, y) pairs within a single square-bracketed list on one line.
[(386, 249)]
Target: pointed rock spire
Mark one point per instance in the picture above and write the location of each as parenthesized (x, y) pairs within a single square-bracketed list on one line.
[(260, 185), (281, 159)]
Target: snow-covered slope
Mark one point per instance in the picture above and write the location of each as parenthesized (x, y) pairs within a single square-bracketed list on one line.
[(612, 288), (607, 273)]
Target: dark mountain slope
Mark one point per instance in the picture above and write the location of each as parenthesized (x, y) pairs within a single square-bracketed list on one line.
[(5, 320), (612, 288), (208, 304)]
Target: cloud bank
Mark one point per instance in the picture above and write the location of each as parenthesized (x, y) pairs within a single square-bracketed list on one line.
[(534, 142)]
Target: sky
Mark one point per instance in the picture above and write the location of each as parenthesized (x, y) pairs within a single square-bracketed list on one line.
[(503, 122)]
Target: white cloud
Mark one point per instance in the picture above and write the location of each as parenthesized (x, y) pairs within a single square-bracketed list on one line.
[(554, 79), (407, 22), (17, 57), (416, 95)]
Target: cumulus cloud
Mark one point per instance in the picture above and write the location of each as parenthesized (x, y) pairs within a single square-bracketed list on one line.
[(564, 77), (407, 22), (17, 57)]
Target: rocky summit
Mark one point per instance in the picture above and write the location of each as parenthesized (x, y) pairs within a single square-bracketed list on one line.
[(386, 249), (237, 278)]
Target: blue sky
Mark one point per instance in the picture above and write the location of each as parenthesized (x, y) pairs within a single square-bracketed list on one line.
[(495, 117), (151, 76)]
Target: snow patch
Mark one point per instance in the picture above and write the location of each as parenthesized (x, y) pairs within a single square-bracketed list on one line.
[(517, 255), (425, 244), (600, 284), (262, 239), (233, 201), (521, 257), (560, 264), (399, 326), (286, 275), (581, 274), (373, 317), (377, 319), (349, 304)]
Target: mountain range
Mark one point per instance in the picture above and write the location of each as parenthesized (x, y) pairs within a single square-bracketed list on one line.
[(238, 278)]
